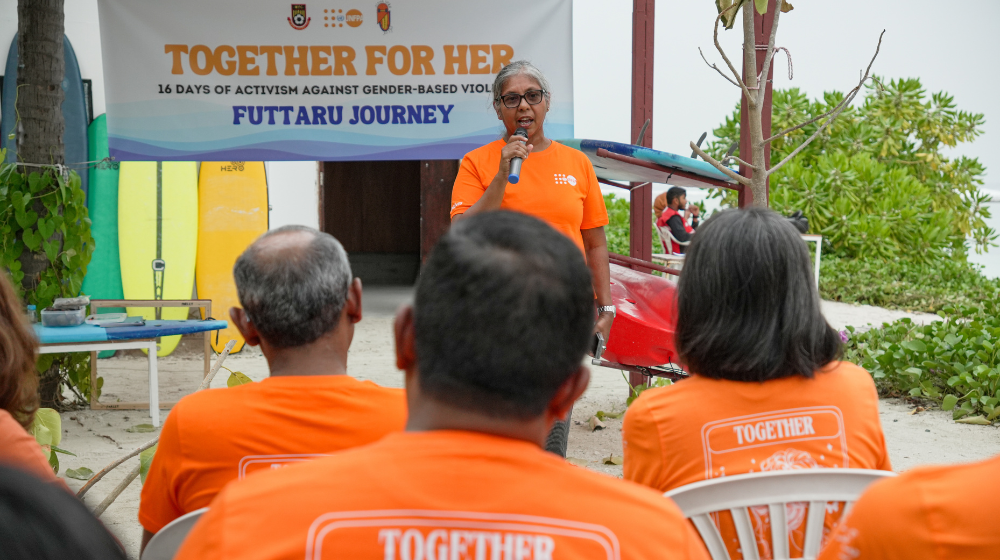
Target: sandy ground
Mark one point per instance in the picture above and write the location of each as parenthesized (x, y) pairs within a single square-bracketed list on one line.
[(98, 437)]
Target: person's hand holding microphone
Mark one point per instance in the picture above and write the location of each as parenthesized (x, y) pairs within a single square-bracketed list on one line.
[(515, 152)]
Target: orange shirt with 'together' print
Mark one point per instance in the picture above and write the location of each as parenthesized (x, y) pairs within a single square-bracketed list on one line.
[(441, 495), (702, 428), (213, 437)]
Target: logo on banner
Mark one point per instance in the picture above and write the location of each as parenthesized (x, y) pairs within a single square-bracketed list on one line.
[(382, 17), (299, 20), (354, 18)]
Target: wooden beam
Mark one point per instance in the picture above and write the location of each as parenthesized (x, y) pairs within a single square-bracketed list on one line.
[(437, 177), (641, 199), (762, 33)]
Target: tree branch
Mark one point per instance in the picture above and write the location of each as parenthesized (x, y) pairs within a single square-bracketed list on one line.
[(737, 160), (739, 78), (117, 491), (840, 108), (807, 123), (715, 163), (769, 55), (97, 477), (204, 384), (716, 68)]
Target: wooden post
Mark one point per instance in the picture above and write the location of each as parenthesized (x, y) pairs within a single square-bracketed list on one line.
[(641, 199), (436, 180), (762, 33)]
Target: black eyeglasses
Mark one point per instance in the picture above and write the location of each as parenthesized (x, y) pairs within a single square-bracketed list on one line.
[(513, 100)]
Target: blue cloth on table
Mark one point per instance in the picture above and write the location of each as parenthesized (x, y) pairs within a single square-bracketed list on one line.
[(60, 335), (154, 329), (93, 333)]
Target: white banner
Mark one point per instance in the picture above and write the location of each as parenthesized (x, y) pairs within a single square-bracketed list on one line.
[(254, 80)]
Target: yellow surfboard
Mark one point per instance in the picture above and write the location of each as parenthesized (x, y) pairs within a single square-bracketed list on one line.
[(232, 204), (158, 236)]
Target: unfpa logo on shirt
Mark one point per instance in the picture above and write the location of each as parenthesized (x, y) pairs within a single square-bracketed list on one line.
[(564, 179)]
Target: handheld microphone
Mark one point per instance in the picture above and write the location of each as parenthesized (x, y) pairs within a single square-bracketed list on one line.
[(515, 163)]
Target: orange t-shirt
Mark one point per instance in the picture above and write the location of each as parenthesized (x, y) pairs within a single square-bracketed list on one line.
[(441, 495), (219, 435), (702, 428), (20, 450), (557, 186), (927, 513)]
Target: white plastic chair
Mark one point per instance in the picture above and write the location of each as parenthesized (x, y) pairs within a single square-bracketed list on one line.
[(671, 259), (665, 234), (774, 489), (167, 541)]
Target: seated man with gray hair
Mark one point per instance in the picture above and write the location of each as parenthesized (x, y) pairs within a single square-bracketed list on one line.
[(300, 305)]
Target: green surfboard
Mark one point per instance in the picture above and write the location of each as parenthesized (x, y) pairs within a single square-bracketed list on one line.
[(104, 274)]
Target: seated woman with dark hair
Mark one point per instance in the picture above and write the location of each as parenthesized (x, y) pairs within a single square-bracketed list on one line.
[(767, 391), (18, 388)]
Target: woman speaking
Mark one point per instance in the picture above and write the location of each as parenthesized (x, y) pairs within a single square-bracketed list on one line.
[(557, 183)]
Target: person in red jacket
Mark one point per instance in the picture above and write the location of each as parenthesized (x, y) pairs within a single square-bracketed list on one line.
[(678, 223)]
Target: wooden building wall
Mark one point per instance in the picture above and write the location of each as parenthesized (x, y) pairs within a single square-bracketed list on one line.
[(387, 214)]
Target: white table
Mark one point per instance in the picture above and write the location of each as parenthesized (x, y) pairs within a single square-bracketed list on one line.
[(93, 347)]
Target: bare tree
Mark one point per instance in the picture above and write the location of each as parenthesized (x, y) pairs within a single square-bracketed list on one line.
[(753, 89)]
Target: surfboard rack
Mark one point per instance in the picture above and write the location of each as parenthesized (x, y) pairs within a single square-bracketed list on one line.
[(205, 304)]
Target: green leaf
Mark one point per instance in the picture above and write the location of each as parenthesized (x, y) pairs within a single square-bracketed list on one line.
[(949, 402), (237, 378), (25, 219), (601, 415), (47, 429), (63, 451), (46, 227), (978, 420), (915, 345), (141, 429), (761, 6), (145, 460), (51, 249), (82, 473), (32, 239)]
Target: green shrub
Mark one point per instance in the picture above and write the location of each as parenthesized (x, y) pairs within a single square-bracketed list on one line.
[(876, 183), (617, 230), (955, 362), (901, 284), (44, 223)]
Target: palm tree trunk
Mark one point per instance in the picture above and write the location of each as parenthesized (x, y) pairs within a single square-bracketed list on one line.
[(40, 126)]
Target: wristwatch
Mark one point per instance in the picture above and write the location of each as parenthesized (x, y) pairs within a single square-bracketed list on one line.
[(606, 309)]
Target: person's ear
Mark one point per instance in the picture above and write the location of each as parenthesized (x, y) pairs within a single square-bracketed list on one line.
[(406, 343), (496, 107), (568, 393), (244, 325), (353, 306)]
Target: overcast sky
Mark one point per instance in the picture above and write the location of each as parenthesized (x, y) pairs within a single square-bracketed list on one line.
[(950, 46)]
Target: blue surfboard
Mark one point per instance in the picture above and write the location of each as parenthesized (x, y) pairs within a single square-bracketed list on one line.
[(74, 111), (693, 172)]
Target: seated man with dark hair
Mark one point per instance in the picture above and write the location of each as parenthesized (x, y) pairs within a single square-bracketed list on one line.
[(300, 305), (677, 222), (492, 351)]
